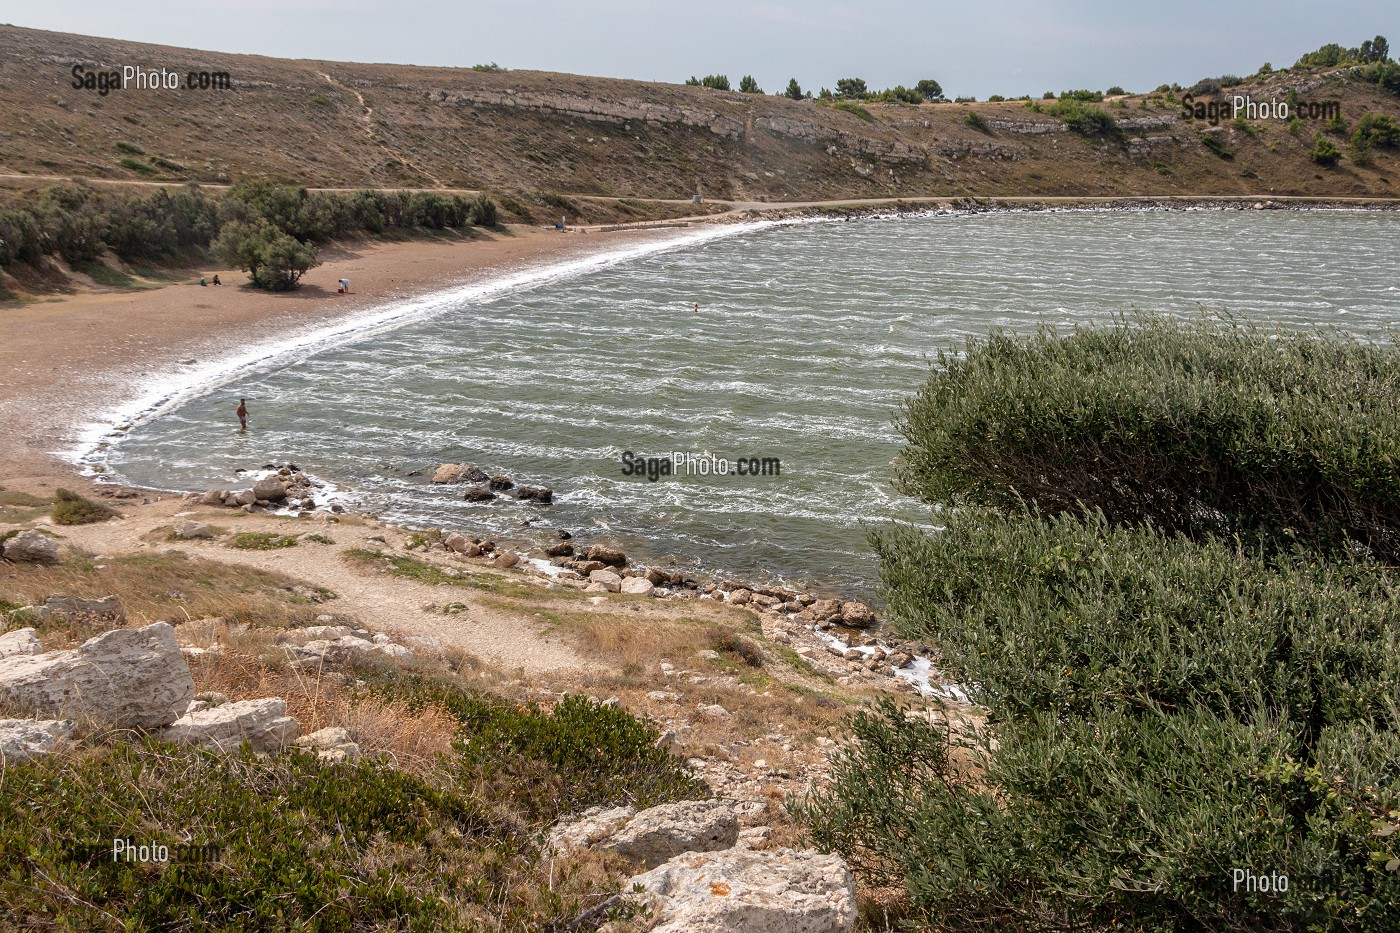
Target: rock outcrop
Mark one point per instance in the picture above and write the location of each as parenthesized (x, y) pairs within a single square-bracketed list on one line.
[(21, 739), (263, 724), (658, 834), (133, 678), (31, 547), (747, 891), (332, 743), (22, 641)]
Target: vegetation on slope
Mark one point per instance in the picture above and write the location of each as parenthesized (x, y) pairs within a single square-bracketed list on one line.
[(1160, 579)]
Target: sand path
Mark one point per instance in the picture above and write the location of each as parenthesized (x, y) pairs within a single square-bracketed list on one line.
[(511, 641)]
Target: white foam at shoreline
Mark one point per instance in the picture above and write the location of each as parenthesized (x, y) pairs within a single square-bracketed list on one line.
[(170, 392)]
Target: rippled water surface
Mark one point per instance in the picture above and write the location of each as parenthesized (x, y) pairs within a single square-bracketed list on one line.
[(807, 338)]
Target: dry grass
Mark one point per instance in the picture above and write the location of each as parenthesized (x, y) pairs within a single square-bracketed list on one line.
[(167, 587)]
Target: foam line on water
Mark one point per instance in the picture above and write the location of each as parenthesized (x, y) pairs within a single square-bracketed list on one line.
[(165, 395)]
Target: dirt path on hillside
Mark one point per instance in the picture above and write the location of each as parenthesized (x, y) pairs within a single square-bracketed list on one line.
[(382, 603), (367, 118)]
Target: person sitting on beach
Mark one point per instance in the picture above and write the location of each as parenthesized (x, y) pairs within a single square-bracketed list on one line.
[(202, 282), (242, 412), (216, 279)]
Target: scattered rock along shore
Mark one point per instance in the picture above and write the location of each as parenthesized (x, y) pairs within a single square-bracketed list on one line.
[(841, 638)]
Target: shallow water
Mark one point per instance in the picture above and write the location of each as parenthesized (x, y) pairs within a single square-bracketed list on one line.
[(807, 338)]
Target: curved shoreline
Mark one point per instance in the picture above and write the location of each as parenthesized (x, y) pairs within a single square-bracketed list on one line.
[(165, 396)]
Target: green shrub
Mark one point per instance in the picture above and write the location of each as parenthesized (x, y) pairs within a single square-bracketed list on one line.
[(302, 844), (1377, 129), (1217, 145), (1084, 119), (1325, 153), (69, 508), (977, 122), (748, 85), (579, 754), (136, 165), (1196, 427), (484, 212), (130, 149), (1078, 617), (851, 107), (261, 541), (1119, 822), (1082, 95), (273, 259)]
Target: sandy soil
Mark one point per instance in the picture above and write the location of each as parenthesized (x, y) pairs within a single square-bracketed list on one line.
[(64, 361)]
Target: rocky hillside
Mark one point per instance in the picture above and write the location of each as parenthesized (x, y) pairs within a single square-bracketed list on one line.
[(339, 124)]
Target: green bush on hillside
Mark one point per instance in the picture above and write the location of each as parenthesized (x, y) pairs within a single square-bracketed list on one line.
[(1197, 427), (1325, 153), (1085, 119), (272, 259), (69, 508), (1153, 575)]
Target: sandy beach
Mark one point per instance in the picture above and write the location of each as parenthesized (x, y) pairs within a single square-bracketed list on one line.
[(66, 360)]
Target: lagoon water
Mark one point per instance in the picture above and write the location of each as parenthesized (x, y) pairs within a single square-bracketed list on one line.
[(807, 338)]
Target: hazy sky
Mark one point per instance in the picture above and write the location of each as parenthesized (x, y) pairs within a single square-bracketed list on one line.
[(1009, 47)]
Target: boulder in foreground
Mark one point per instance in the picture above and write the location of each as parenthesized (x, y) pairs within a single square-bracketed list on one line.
[(31, 547), (132, 678), (263, 724), (747, 891)]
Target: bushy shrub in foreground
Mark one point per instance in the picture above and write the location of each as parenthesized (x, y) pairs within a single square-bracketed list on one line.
[(1197, 427), (1163, 713)]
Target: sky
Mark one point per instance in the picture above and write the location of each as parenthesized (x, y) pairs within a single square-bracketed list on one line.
[(1010, 47)]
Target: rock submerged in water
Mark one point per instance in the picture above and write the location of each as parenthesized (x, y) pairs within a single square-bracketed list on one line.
[(478, 494), (541, 494), (459, 473)]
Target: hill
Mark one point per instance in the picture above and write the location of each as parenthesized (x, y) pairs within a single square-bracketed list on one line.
[(537, 136)]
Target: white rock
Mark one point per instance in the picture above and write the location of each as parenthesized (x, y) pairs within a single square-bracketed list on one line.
[(270, 488), (609, 580), (747, 891), (394, 651), (128, 678), (26, 738), (639, 586), (188, 531), (31, 547), (588, 829), (713, 711), (663, 696), (658, 834), (264, 724), (331, 743), (22, 641)]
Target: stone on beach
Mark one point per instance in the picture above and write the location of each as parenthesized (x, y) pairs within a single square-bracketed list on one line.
[(639, 586), (128, 678), (607, 555), (607, 579), (269, 488), (189, 531)]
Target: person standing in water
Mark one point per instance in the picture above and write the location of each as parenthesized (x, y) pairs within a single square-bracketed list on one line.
[(242, 412), (697, 307)]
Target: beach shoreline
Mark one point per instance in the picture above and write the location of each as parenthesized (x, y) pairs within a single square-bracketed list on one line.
[(73, 364)]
